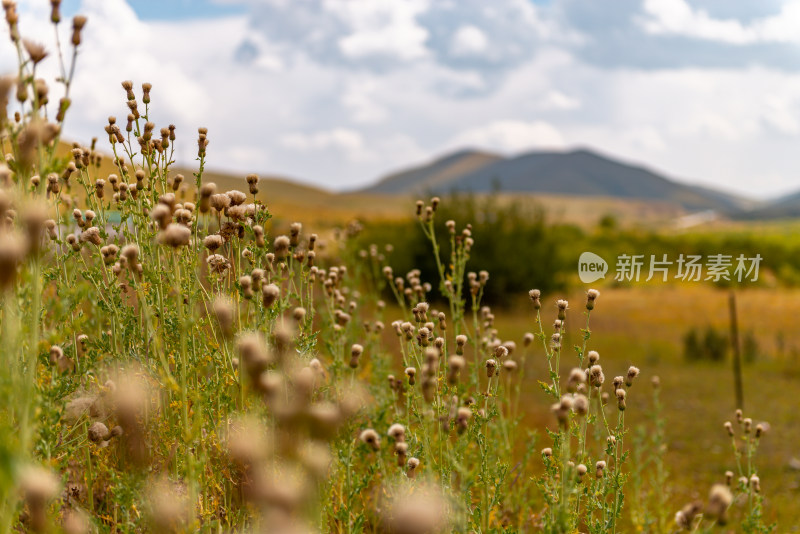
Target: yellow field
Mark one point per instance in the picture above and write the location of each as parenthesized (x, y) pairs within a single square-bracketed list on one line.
[(644, 327)]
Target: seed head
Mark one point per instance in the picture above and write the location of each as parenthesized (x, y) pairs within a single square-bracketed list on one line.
[(729, 427), (527, 339), (580, 405), (591, 296), (281, 246), (633, 372), (98, 432), (397, 432), (599, 467), (535, 296), (371, 438), (596, 376), (175, 235), (719, 500), (78, 22), (269, 294), (491, 365)]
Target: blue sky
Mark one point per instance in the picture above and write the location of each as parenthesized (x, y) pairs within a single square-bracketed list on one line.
[(338, 92)]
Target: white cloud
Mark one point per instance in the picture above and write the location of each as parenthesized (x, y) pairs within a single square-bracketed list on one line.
[(385, 28), (558, 100), (294, 103), (469, 40), (680, 18), (511, 136), (350, 141)]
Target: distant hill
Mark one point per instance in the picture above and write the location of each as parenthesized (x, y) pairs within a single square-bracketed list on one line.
[(786, 207), (578, 172), (438, 174)]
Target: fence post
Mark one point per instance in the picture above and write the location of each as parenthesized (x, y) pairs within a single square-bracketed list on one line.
[(737, 357)]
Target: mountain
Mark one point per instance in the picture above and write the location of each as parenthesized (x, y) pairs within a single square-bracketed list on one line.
[(786, 207), (578, 172), (437, 174)]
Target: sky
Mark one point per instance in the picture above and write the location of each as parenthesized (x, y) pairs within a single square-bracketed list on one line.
[(339, 92)]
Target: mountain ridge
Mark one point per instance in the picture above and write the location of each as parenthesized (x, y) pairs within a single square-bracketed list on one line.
[(580, 171)]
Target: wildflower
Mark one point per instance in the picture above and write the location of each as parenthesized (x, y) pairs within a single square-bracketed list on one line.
[(355, 353), (213, 242), (621, 394), (729, 478), (576, 377), (581, 470), (237, 197), (510, 366), (78, 22), (294, 233), (562, 306), (252, 182), (747, 425), (411, 467), (462, 419), (411, 373), (174, 235), (685, 517), (397, 432), (599, 467), (591, 296), (421, 511), (580, 404), (12, 252), (739, 416), (491, 365), (461, 340), (220, 201), (299, 314), (92, 235), (281, 246), (401, 449), (729, 427), (217, 263), (596, 377), (594, 357), (547, 452), (761, 428), (618, 381), (39, 487), (454, 365), (527, 339), (258, 233), (633, 372), (162, 215), (206, 192), (656, 382), (98, 432), (253, 354), (55, 14), (561, 409), (719, 500), (535, 296), (224, 313), (371, 438), (755, 483)]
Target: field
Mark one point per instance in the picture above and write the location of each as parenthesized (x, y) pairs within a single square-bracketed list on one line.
[(645, 327), (189, 351)]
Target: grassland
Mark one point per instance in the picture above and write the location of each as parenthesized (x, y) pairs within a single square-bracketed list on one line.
[(644, 326)]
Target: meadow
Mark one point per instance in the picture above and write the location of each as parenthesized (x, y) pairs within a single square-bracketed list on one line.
[(178, 358)]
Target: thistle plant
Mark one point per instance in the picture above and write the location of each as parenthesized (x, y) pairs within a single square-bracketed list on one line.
[(176, 361)]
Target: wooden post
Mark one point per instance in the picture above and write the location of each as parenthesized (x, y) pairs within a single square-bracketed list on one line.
[(737, 356)]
